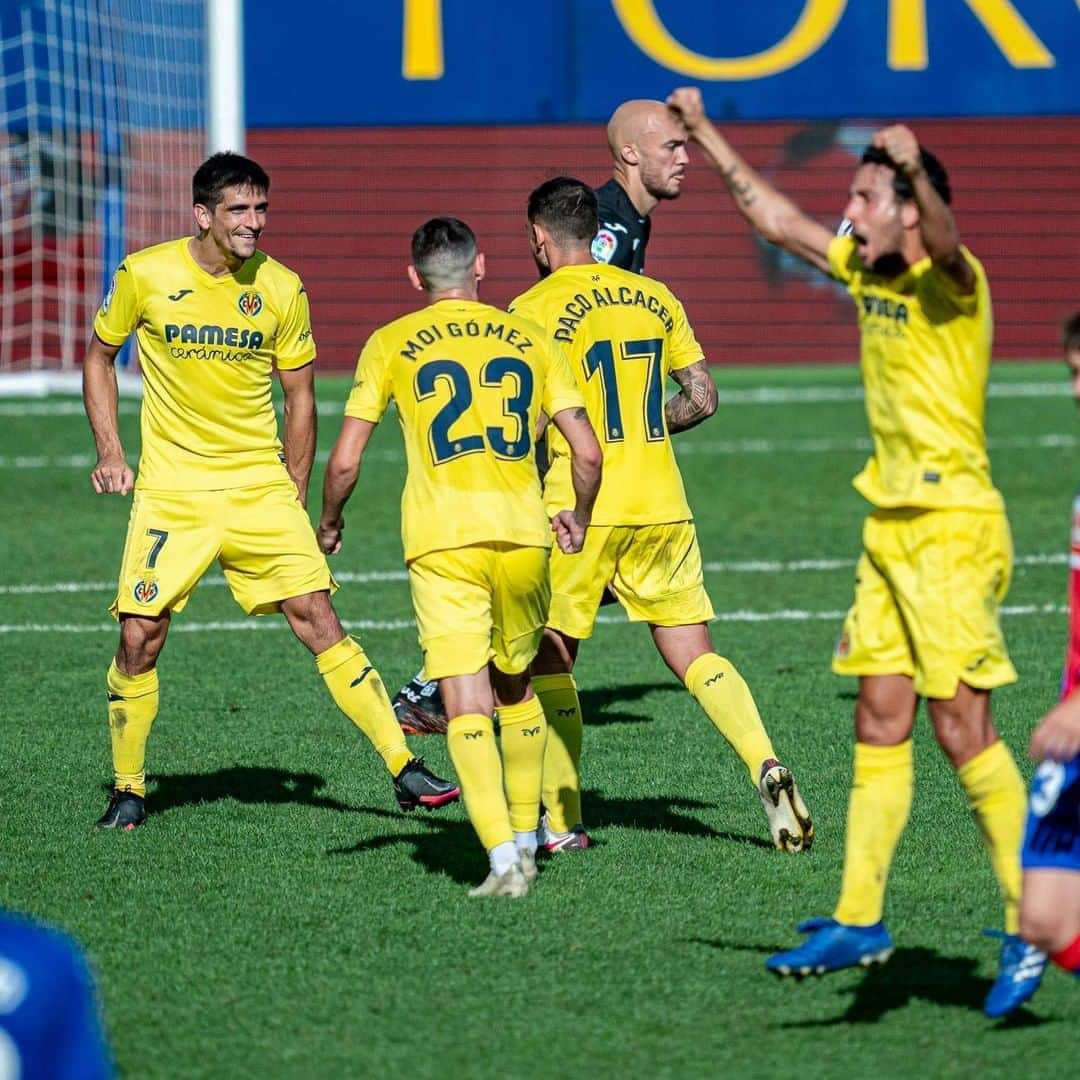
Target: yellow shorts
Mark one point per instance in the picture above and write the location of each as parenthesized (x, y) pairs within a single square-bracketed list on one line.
[(479, 603), (654, 570), (260, 536), (928, 588)]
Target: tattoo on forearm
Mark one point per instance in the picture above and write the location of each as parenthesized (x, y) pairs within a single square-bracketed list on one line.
[(740, 186), (695, 400)]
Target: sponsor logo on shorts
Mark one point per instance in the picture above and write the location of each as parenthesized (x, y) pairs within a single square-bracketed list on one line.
[(603, 246), (843, 646), (250, 304), (145, 592)]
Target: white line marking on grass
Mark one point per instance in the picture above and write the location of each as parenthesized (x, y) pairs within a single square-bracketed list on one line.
[(783, 615), (721, 447), (753, 395), (348, 577)]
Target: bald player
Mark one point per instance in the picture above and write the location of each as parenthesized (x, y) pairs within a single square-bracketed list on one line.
[(648, 154)]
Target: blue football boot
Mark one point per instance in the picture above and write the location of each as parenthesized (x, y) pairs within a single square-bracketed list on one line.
[(833, 946), (1020, 970)]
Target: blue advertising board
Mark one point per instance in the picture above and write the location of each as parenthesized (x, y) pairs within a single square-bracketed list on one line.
[(508, 61)]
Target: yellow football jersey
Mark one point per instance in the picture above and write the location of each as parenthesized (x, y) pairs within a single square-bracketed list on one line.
[(469, 382), (623, 334), (925, 356), (207, 349)]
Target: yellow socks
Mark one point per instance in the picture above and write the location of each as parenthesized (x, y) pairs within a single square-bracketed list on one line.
[(997, 797), (562, 757), (133, 706), (881, 793), (359, 693), (471, 741), (523, 733), (722, 692)]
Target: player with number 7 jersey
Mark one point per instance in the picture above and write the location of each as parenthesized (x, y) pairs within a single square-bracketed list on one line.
[(624, 335)]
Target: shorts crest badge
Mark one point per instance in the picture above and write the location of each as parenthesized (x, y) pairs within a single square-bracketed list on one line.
[(145, 592), (250, 304)]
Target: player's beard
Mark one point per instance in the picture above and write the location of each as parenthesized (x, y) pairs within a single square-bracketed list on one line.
[(655, 184)]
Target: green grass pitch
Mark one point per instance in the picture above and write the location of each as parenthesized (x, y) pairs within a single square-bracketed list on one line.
[(278, 917)]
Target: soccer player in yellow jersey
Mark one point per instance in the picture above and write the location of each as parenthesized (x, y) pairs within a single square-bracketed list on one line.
[(213, 318), (937, 554), (469, 382), (625, 334)]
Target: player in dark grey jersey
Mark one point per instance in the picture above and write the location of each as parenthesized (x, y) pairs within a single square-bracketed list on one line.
[(649, 158), (648, 153)]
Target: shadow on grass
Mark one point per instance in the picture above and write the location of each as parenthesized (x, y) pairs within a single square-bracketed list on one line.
[(599, 707), (449, 847), (910, 974), (658, 813), (245, 783)]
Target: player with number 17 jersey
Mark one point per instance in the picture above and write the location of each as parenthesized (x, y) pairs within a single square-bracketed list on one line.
[(469, 382), (624, 334)]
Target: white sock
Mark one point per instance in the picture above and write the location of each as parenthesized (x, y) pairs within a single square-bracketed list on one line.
[(502, 857), (526, 841)]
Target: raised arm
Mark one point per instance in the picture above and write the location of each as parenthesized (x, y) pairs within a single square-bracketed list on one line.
[(342, 472), (937, 226), (301, 424), (772, 214), (586, 465), (111, 474), (695, 401)]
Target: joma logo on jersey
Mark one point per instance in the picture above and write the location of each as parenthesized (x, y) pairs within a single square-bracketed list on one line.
[(209, 334), (145, 592), (250, 304), (881, 307)]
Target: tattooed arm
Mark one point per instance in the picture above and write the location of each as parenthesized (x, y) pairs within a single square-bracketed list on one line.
[(695, 401), (772, 214)]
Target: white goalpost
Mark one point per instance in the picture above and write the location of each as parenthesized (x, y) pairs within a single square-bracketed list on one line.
[(106, 108)]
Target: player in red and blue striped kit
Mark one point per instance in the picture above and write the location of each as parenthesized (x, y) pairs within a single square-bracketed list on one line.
[(1050, 904)]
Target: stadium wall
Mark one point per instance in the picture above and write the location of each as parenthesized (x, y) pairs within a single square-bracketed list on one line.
[(346, 200)]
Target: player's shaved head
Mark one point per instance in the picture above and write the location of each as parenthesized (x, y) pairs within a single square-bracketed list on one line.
[(648, 151), (634, 118), (444, 253)]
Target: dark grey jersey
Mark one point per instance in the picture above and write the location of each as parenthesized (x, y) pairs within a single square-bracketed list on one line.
[(623, 233)]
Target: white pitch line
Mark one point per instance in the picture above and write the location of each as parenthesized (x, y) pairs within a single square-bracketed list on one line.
[(720, 448), (742, 616), (754, 395), (348, 577)]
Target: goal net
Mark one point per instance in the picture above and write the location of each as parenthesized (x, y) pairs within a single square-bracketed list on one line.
[(103, 122)]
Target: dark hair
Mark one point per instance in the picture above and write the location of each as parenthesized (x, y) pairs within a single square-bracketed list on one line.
[(223, 170), (566, 207), (935, 173), (443, 252), (1070, 332)]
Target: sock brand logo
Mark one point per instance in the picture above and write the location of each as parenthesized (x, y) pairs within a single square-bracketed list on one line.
[(566, 712), (474, 734), (361, 677), (531, 730), (714, 678)]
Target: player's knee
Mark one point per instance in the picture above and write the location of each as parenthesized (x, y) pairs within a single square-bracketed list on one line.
[(141, 641), (555, 655), (1042, 924)]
